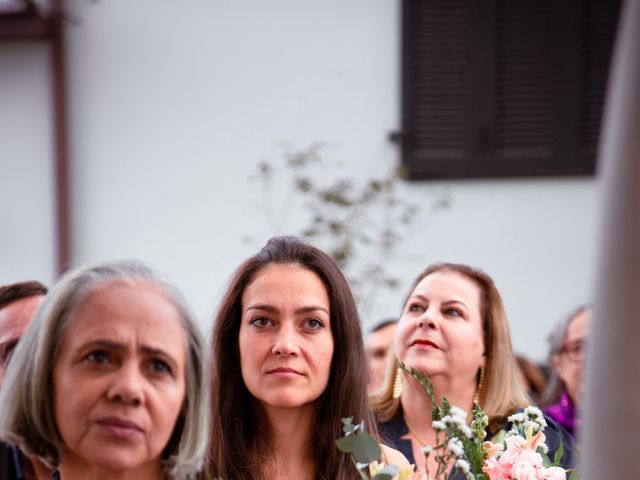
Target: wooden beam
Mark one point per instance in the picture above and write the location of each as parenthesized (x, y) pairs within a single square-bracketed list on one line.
[(61, 149)]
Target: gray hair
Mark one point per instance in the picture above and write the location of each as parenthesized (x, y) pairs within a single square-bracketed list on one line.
[(27, 415), (555, 385)]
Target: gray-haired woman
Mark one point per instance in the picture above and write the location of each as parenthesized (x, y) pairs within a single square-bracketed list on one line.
[(108, 380)]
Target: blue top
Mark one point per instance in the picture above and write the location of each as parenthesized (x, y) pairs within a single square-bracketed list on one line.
[(391, 434)]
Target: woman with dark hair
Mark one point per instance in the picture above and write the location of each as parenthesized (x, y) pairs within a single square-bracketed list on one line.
[(453, 328), (288, 365)]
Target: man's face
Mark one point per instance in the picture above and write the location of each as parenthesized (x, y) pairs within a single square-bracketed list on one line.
[(14, 319), (377, 349)]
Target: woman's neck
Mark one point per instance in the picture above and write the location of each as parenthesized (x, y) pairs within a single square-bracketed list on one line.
[(417, 406), (70, 470), (291, 433)]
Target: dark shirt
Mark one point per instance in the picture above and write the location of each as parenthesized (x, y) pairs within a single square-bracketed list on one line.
[(391, 434), (10, 465)]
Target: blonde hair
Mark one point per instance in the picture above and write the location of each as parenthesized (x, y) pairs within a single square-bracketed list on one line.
[(502, 391), (27, 410)]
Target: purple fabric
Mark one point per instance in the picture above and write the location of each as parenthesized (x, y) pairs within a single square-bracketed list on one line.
[(564, 412)]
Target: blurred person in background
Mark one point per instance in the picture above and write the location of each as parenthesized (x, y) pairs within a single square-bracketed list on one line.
[(18, 305), (377, 347), (108, 380), (532, 377), (567, 353)]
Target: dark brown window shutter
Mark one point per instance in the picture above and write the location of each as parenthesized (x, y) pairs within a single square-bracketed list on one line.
[(436, 81), (500, 88)]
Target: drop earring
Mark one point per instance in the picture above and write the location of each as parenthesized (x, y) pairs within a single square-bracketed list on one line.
[(476, 397), (397, 383)]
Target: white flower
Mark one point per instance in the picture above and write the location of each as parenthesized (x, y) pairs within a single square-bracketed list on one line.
[(463, 465), (448, 420), (466, 431), (531, 424), (458, 412), (532, 411), (427, 450), (455, 447), (516, 418), (439, 426), (534, 414)]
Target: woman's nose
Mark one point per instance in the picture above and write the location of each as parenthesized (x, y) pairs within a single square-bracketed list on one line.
[(127, 385), (428, 320), (285, 342)]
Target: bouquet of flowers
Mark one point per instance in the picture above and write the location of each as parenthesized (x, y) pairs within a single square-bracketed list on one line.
[(517, 454)]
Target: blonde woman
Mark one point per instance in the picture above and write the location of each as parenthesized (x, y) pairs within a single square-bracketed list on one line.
[(453, 328)]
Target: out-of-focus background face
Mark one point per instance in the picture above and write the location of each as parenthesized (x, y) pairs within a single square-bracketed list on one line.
[(172, 107), (377, 346)]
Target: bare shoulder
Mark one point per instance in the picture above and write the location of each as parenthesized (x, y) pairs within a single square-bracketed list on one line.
[(394, 457)]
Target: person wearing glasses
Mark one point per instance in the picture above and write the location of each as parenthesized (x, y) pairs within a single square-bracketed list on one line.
[(566, 358)]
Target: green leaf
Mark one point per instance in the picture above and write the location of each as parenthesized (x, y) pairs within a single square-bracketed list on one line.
[(387, 473), (361, 446), (558, 455), (545, 458), (366, 449), (347, 444), (499, 437)]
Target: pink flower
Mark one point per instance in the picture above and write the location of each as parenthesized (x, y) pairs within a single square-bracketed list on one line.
[(527, 465), (537, 440), (553, 473), (515, 447), (496, 470), (491, 449)]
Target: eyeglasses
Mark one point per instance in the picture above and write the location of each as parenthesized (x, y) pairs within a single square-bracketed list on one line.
[(576, 350)]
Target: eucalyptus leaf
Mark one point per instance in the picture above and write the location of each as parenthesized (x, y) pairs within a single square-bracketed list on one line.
[(387, 473), (366, 449)]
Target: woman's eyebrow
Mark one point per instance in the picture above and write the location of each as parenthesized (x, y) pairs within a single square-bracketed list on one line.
[(455, 302), (262, 306), (311, 308), (110, 344)]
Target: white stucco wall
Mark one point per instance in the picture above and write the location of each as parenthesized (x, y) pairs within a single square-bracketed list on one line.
[(26, 180), (172, 104)]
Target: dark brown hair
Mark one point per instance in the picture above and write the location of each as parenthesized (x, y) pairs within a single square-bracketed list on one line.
[(18, 291), (239, 437)]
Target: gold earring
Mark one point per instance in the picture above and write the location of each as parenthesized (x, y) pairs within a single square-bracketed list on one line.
[(397, 383), (476, 397)]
